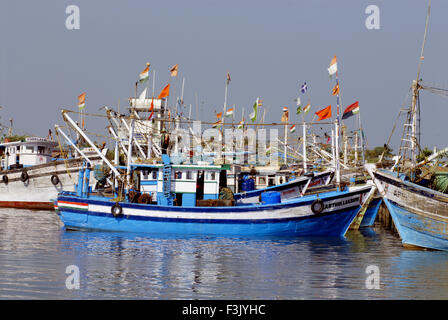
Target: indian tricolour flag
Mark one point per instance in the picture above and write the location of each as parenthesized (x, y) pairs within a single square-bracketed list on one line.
[(229, 112), (144, 75), (293, 128), (240, 124), (82, 101), (72, 205), (217, 124), (306, 108), (253, 115), (333, 66)]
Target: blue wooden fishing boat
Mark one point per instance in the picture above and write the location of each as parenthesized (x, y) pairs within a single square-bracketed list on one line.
[(420, 214), (419, 211), (184, 206)]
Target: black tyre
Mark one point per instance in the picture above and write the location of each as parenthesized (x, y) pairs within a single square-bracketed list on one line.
[(317, 206), (116, 210), (24, 176), (54, 179)]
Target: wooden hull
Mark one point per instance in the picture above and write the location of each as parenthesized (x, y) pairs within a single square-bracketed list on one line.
[(290, 219), (39, 191), (420, 214)]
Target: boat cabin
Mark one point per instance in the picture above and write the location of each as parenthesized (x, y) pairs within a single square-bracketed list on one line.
[(31, 152), (186, 183)]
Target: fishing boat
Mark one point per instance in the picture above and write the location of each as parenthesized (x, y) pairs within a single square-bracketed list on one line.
[(178, 208), (188, 199), (31, 177), (418, 209)]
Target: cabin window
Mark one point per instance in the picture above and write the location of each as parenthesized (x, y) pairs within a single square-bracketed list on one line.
[(280, 180), (145, 174), (271, 181), (40, 149), (212, 176), (189, 175), (262, 180), (29, 149), (18, 148), (178, 175), (154, 175)]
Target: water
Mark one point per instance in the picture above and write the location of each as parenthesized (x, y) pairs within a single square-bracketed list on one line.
[(35, 251)]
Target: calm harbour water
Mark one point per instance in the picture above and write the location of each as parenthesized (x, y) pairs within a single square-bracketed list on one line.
[(35, 251)]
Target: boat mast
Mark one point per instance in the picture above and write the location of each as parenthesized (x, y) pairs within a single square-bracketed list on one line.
[(415, 96)]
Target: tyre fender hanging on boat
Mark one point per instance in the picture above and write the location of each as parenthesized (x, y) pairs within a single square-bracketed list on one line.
[(5, 179), (116, 210), (24, 176), (317, 206), (54, 179)]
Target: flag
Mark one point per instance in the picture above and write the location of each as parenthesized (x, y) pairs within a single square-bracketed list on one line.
[(293, 128), (144, 75), (228, 78), (174, 70), (299, 102), (351, 110), (82, 101), (165, 92), (219, 115), (335, 90), (151, 109), (253, 115), (285, 115), (328, 137), (229, 112), (303, 88), (217, 124), (299, 110), (259, 102), (333, 66), (306, 108), (324, 113), (143, 94), (240, 124)]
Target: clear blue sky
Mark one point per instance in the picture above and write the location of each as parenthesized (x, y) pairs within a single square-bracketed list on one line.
[(269, 47)]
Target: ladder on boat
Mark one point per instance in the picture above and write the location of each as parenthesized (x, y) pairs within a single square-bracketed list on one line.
[(166, 187)]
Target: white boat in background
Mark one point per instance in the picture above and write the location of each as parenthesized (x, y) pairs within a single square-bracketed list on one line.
[(31, 177)]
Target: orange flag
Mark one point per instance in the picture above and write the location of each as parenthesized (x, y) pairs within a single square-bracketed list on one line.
[(336, 90), (165, 92), (324, 113), (174, 70), (151, 109), (219, 115)]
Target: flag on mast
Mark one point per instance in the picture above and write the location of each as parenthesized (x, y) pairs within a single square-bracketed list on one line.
[(174, 70), (228, 78), (219, 115), (351, 110), (82, 101), (285, 115), (217, 124), (324, 113), (293, 128), (253, 115), (333, 66), (240, 124), (165, 92), (306, 108), (229, 112), (335, 91), (303, 88), (144, 75), (151, 109)]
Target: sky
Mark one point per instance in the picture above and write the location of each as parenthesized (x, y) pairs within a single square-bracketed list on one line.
[(269, 48)]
